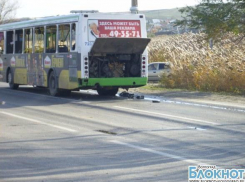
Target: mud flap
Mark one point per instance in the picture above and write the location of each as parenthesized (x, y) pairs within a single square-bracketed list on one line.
[(119, 46)]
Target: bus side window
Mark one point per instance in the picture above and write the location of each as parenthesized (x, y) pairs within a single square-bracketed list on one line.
[(64, 38), (28, 41), (73, 36), (51, 39), (18, 41), (1, 42), (39, 40), (10, 42)]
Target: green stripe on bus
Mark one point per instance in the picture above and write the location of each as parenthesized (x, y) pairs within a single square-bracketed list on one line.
[(120, 82)]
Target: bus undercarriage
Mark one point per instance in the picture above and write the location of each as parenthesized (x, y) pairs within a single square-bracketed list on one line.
[(114, 66)]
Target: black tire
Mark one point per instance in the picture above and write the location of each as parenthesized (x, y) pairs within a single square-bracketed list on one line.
[(107, 92), (52, 85), (12, 85)]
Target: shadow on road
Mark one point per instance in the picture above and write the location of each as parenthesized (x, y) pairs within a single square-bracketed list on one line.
[(81, 159), (30, 96)]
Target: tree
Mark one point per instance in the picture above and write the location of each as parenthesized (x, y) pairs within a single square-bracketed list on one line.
[(7, 10), (215, 17)]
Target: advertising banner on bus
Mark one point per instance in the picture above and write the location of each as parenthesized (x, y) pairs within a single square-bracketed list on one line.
[(113, 28)]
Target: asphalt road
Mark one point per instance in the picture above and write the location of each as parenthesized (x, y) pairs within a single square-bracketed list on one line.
[(85, 137)]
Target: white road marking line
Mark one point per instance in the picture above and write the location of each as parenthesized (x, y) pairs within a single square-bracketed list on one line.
[(227, 108), (40, 122), (89, 92), (158, 153), (154, 113)]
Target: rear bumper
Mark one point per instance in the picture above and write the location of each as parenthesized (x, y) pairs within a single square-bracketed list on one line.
[(114, 82)]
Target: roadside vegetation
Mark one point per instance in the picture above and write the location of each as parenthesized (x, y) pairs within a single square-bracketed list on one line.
[(196, 66), (8, 10)]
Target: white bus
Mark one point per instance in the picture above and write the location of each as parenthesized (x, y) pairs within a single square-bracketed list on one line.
[(83, 50)]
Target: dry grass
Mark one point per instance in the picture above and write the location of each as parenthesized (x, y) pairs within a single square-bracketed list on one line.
[(197, 67)]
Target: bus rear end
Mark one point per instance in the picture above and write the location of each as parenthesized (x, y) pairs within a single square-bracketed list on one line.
[(113, 52)]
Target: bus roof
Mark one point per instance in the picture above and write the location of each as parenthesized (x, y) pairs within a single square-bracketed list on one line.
[(40, 22), (55, 20)]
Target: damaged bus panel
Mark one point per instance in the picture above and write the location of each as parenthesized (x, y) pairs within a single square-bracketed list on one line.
[(116, 57)]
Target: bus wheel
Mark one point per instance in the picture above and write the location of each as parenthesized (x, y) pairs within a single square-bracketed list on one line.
[(107, 92), (12, 85), (52, 84)]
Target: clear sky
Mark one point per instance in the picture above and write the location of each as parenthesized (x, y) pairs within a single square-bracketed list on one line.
[(41, 8)]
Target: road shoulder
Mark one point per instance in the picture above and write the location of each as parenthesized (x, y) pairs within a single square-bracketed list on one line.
[(220, 99)]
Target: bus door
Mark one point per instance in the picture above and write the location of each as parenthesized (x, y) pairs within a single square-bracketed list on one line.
[(35, 60), (36, 70)]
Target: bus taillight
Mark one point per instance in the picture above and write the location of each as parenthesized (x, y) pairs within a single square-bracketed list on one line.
[(86, 67), (143, 72)]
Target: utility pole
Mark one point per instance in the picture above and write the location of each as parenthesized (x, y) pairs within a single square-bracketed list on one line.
[(134, 8)]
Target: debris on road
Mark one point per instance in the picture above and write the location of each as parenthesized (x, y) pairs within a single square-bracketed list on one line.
[(140, 97), (156, 101), (131, 96), (126, 94), (107, 132)]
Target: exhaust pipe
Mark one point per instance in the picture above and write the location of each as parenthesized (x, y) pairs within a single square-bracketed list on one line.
[(134, 8)]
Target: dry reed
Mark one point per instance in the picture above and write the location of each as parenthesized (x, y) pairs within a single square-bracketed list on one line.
[(198, 67)]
